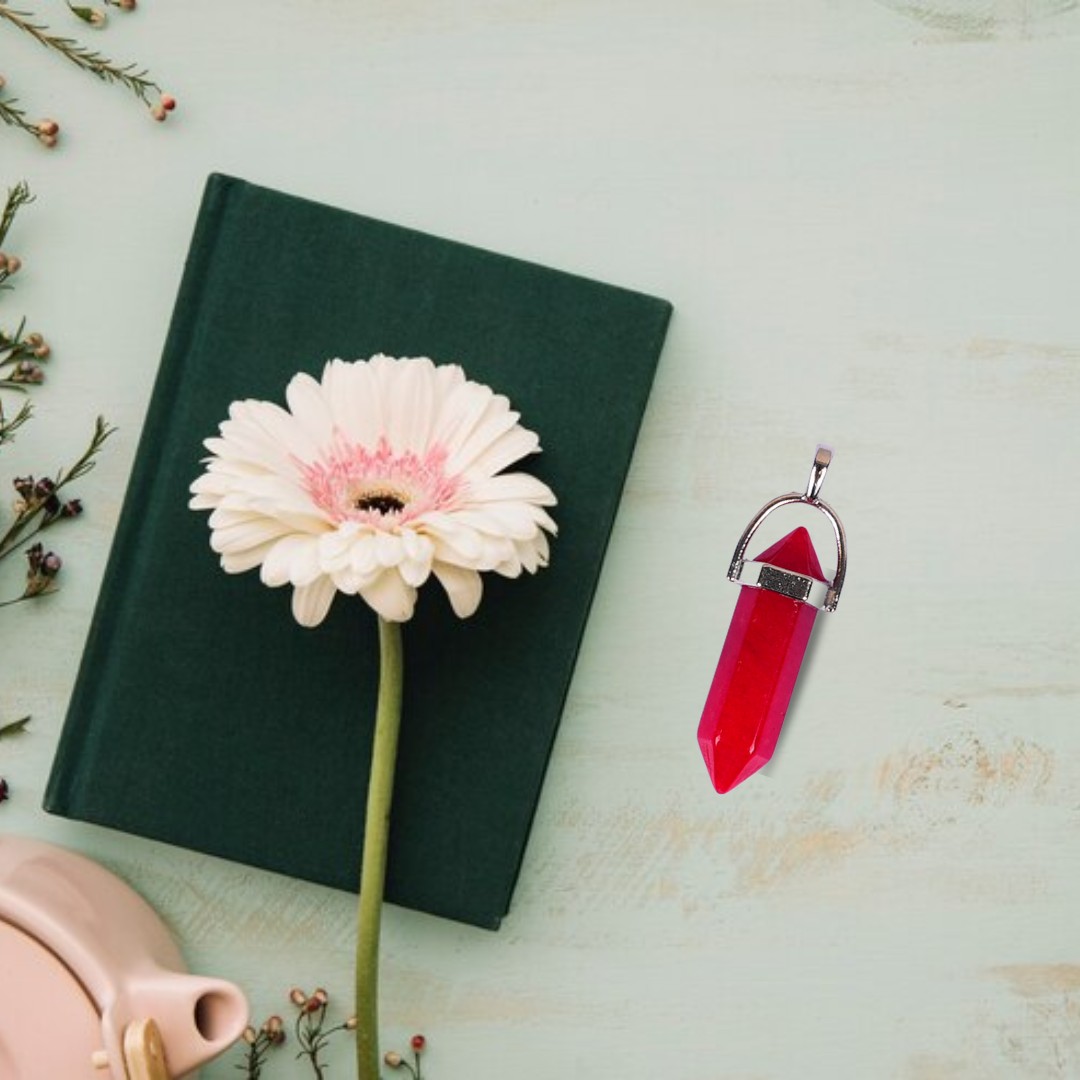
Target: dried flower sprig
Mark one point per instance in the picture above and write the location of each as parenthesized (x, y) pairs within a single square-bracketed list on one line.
[(20, 353), (137, 82), (310, 1031), (17, 198), (312, 1034), (397, 1061), (45, 131), (132, 77), (94, 17), (38, 505), (257, 1044), (13, 727), (10, 424)]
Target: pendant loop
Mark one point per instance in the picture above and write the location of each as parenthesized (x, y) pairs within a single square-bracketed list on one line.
[(822, 459)]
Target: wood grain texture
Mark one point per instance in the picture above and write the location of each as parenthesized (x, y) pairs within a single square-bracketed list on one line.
[(867, 214)]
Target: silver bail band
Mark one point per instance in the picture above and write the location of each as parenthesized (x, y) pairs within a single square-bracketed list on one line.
[(761, 576)]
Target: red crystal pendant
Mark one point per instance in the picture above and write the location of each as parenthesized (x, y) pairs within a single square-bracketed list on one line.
[(757, 670)]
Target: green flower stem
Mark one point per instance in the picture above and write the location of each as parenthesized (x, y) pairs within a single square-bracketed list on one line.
[(376, 835)]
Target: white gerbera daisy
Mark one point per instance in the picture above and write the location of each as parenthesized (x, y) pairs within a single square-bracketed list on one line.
[(384, 472)]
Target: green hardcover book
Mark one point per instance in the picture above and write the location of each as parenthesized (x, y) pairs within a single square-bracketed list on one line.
[(203, 714)]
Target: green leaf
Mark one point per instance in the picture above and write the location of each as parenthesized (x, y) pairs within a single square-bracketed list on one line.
[(15, 727)]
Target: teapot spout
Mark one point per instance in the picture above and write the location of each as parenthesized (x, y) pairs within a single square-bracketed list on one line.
[(198, 1017)]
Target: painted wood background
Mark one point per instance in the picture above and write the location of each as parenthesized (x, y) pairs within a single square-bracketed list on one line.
[(867, 215)]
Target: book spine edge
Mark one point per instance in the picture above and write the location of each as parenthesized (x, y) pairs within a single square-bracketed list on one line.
[(62, 793), (493, 918)]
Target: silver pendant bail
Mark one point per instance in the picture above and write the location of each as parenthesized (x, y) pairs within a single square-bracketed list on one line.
[(822, 459), (797, 586)]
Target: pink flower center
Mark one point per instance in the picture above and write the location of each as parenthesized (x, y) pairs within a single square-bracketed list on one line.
[(378, 487)]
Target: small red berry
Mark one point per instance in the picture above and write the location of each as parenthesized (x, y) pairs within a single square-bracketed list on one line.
[(168, 102), (418, 1042)]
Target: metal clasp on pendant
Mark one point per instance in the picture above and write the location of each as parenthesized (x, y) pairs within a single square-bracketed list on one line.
[(796, 586)]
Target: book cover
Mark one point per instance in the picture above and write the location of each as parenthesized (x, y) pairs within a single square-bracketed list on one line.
[(203, 715)]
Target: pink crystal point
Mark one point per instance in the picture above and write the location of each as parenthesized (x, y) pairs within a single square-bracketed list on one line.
[(757, 669)]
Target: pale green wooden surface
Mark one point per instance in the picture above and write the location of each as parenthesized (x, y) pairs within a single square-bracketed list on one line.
[(867, 216)]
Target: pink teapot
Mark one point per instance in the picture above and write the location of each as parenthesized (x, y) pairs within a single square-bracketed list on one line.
[(92, 985)]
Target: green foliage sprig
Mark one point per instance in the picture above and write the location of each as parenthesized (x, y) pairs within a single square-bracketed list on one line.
[(39, 507), (132, 77), (40, 503), (17, 198)]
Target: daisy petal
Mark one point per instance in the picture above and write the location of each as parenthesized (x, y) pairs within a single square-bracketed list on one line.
[(308, 406), (277, 567), (516, 485), (390, 597), (304, 564), (411, 405), (310, 603), (508, 448), (388, 549), (449, 532), (244, 535), (497, 420), (355, 402), (242, 561), (463, 587)]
